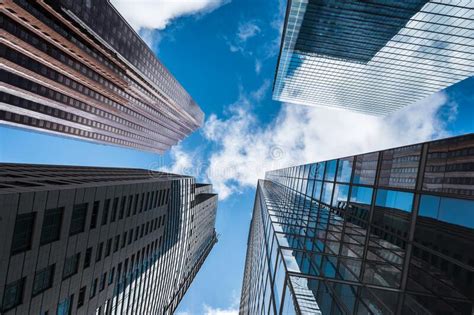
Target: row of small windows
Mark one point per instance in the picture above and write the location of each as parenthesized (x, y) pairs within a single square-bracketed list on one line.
[(30, 105), (30, 64), (30, 121), (52, 219), (44, 278)]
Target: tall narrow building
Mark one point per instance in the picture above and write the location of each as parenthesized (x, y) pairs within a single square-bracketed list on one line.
[(373, 57), (388, 232), (89, 240), (76, 68)]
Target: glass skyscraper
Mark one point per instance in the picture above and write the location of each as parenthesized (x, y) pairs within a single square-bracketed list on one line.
[(388, 232), (76, 68), (373, 57), (93, 240)]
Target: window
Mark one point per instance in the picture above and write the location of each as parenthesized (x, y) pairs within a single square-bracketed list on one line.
[(116, 243), (82, 294), (102, 281), (78, 219), (93, 288), (87, 257), (51, 229), (122, 207), (362, 195), (98, 254), (95, 214), (124, 239), (71, 265), (13, 294), (394, 199), (114, 210), (22, 233), (64, 307), (111, 276), (43, 280), (105, 216), (108, 247)]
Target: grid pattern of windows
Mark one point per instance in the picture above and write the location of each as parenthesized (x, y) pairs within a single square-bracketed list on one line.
[(364, 235), (117, 93), (372, 57)]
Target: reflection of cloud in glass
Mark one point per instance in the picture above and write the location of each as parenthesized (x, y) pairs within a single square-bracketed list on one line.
[(432, 51)]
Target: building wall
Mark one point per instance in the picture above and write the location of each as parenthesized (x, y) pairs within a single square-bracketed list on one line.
[(378, 233), (65, 74), (141, 238)]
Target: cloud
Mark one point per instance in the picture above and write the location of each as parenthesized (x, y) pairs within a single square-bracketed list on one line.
[(258, 66), (182, 162), (244, 149), (245, 31), (157, 14), (218, 311)]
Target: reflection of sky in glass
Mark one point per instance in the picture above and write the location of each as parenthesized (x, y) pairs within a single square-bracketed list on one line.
[(344, 170), (449, 210), (340, 194), (361, 194), (433, 51), (330, 170), (394, 199)]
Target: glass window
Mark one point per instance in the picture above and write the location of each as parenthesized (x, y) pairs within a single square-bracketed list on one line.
[(340, 195), (317, 190), (23, 232), (365, 169), (43, 280), (51, 229), (330, 170), (394, 199), (95, 213), (64, 307), (320, 170), (400, 167), (78, 219), (362, 195), (327, 193), (13, 294), (344, 170), (449, 210), (71, 266)]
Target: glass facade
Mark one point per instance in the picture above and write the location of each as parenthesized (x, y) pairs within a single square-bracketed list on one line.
[(388, 232), (76, 68), (372, 57)]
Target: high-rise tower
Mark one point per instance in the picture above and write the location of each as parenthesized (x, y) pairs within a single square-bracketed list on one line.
[(89, 240), (76, 68), (373, 57), (388, 232)]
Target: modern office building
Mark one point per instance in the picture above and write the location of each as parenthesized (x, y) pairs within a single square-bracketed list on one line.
[(89, 240), (388, 232), (373, 57), (76, 68)]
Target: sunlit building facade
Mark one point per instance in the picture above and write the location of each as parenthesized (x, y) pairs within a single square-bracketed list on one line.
[(373, 57), (77, 69), (388, 232), (90, 240)]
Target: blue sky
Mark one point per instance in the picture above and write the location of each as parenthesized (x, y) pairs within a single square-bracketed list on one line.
[(224, 53)]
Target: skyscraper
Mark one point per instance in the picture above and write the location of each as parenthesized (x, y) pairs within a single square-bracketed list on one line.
[(76, 68), (372, 57), (89, 240), (388, 232)]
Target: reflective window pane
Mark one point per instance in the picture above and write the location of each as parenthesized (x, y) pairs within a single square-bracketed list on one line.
[(394, 199), (344, 170), (365, 169), (361, 194), (330, 170), (400, 167)]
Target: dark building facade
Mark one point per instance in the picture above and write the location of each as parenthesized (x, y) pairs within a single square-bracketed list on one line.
[(373, 57), (76, 68), (388, 232), (89, 240)]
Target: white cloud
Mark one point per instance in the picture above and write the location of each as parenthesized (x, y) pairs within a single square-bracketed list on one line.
[(218, 311), (244, 149), (258, 66), (182, 162), (245, 32), (157, 14)]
